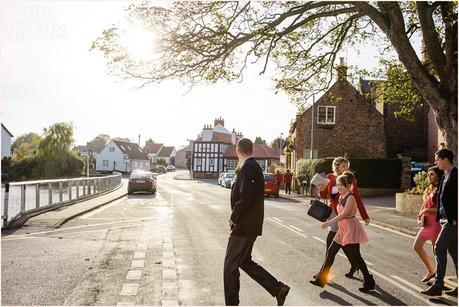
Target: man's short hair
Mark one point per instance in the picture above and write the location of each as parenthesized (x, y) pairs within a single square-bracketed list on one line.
[(445, 153), (245, 146)]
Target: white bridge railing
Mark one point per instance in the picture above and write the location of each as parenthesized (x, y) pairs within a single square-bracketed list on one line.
[(30, 196)]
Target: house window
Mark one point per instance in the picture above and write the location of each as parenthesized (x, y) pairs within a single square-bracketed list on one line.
[(112, 149), (230, 164), (105, 163), (199, 162), (211, 162), (326, 115)]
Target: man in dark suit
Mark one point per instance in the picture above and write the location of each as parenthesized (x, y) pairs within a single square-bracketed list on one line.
[(447, 216), (246, 223)]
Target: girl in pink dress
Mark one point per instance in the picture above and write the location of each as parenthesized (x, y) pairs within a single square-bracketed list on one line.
[(349, 236), (431, 228)]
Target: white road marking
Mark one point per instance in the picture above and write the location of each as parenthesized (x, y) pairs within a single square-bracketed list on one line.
[(79, 227), (138, 263), (139, 255), (134, 274), (129, 289), (293, 230), (277, 219), (91, 213), (406, 282), (402, 287), (319, 239), (296, 228), (390, 230)]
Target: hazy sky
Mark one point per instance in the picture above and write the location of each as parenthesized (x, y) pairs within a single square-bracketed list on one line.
[(49, 75)]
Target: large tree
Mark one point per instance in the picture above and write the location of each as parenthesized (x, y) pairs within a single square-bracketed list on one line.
[(25, 146), (55, 159), (259, 140), (210, 41), (98, 143)]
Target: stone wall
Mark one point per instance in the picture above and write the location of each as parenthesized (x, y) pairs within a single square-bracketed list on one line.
[(408, 203)]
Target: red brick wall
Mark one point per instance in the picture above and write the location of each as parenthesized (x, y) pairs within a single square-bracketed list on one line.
[(358, 129)]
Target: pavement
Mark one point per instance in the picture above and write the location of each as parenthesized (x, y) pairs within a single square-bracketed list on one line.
[(58, 217)]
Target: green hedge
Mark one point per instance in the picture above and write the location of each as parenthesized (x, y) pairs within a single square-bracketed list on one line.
[(370, 173)]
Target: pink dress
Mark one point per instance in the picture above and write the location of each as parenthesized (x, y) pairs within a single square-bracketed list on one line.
[(350, 230), (431, 227)]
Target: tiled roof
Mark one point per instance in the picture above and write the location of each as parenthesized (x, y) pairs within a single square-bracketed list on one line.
[(166, 151), (152, 148), (221, 137), (259, 152), (132, 150)]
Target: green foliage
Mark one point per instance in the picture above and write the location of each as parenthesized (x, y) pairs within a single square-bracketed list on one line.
[(161, 161), (17, 170), (98, 143), (259, 140), (25, 146), (307, 168), (278, 142), (55, 158), (370, 173), (422, 183)]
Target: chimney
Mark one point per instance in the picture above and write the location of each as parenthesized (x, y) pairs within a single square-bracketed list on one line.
[(233, 137), (220, 121), (139, 140), (342, 70), (207, 127)]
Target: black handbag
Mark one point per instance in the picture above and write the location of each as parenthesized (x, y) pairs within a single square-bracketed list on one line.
[(319, 210)]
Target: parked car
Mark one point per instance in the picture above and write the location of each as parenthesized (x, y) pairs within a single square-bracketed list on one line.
[(170, 168), (142, 182), (161, 169), (271, 186), (220, 178), (226, 180)]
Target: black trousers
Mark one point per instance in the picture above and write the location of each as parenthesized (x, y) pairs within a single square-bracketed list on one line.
[(446, 243), (288, 188), (330, 237), (352, 251), (239, 255)]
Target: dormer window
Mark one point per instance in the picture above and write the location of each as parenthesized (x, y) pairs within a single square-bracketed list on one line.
[(112, 149), (326, 115)]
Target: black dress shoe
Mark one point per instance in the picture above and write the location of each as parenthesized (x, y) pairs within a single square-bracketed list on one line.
[(351, 272), (452, 292), (368, 284), (432, 291), (282, 294)]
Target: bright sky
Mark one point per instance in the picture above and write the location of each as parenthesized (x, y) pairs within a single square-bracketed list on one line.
[(49, 75)]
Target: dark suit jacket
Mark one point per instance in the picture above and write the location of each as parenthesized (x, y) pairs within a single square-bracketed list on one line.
[(247, 200), (449, 197)]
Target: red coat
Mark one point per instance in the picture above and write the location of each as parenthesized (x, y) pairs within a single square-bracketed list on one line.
[(279, 178), (333, 201), (288, 177)]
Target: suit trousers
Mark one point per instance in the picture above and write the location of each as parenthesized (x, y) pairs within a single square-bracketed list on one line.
[(239, 255), (446, 243)]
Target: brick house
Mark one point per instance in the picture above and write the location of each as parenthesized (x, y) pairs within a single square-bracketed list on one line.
[(344, 122), (263, 154), (408, 138)]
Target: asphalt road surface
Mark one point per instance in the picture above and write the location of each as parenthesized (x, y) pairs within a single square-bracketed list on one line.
[(169, 248)]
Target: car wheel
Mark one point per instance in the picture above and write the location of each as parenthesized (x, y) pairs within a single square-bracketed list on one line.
[(276, 195), (129, 192), (153, 191)]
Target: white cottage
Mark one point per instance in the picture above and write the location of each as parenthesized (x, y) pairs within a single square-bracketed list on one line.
[(121, 156), (6, 142)]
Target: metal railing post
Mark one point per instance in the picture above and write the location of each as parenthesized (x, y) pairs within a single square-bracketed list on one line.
[(70, 189), (77, 189), (23, 197), (60, 191), (84, 187), (5, 203), (50, 194), (37, 195)]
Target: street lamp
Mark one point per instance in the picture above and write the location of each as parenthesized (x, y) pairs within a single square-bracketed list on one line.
[(87, 162), (311, 155), (280, 147)]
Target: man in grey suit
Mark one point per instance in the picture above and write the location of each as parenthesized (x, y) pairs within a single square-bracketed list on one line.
[(246, 223)]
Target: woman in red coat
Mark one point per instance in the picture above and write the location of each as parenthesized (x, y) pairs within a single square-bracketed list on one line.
[(330, 192)]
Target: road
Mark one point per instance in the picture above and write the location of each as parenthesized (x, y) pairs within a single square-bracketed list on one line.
[(168, 249)]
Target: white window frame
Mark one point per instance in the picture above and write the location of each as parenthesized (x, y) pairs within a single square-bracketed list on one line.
[(327, 122)]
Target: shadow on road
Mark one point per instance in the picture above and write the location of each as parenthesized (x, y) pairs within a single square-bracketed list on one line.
[(352, 294), (142, 196), (334, 298), (443, 301)]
